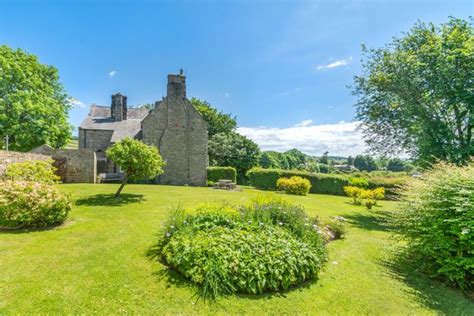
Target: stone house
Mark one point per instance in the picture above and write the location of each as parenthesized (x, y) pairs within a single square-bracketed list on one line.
[(174, 126)]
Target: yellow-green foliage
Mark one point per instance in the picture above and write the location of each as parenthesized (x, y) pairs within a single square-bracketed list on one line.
[(437, 220), (37, 171), (294, 185), (365, 196), (31, 204)]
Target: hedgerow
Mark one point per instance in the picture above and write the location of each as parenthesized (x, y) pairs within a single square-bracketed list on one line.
[(265, 245), (333, 184), (215, 174)]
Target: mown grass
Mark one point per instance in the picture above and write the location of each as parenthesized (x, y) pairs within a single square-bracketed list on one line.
[(97, 263)]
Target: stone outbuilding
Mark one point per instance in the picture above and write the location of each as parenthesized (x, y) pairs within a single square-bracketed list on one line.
[(174, 126)]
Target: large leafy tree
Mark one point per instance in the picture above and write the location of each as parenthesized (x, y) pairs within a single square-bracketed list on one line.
[(218, 122), (233, 150), (137, 160), (33, 104), (416, 94)]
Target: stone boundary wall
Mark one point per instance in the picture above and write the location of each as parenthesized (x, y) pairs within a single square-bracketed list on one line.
[(80, 165), (9, 157), (74, 165)]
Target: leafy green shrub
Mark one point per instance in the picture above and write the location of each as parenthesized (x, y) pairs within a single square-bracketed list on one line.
[(280, 212), (31, 204), (294, 185), (215, 174), (437, 220), (336, 228), (266, 179), (267, 245), (37, 170)]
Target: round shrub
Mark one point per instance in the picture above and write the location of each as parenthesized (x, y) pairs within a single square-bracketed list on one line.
[(243, 259), (31, 204), (37, 170), (267, 245), (294, 185), (437, 220)]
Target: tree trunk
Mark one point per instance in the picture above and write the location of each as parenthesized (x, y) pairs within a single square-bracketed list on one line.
[(124, 182)]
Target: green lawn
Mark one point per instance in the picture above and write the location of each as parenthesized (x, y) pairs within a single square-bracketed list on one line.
[(96, 263)]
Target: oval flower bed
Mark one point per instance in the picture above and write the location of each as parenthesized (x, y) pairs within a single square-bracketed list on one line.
[(266, 245)]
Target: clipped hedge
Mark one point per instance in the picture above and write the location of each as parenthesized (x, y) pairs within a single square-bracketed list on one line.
[(333, 184), (266, 179), (215, 174)]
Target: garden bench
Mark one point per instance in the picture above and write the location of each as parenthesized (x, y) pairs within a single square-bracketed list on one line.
[(225, 185)]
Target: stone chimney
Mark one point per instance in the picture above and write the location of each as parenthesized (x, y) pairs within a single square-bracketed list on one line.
[(119, 107), (177, 86)]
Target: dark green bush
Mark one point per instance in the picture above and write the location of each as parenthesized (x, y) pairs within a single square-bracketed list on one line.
[(267, 245), (215, 174), (437, 220), (266, 179), (31, 204)]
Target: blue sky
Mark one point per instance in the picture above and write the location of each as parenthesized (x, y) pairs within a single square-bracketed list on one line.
[(281, 67)]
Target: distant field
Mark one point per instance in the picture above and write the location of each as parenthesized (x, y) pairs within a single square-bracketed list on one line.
[(73, 144), (96, 263)]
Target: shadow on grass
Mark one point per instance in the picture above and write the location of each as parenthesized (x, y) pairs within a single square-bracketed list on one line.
[(427, 291), (110, 200), (26, 230), (375, 220)]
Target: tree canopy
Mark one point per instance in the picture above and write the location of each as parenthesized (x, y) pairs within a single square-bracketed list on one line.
[(33, 104), (218, 122), (233, 150), (416, 94), (137, 160)]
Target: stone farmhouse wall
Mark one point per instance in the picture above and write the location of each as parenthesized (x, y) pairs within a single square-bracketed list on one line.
[(100, 141), (9, 157), (179, 131)]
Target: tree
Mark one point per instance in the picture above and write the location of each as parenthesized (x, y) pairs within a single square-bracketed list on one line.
[(218, 122), (233, 150), (269, 160), (33, 104), (396, 164), (324, 158), (417, 93), (350, 161), (138, 160), (365, 163), (296, 159)]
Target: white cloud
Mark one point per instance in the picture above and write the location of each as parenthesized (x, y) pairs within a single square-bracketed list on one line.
[(112, 73), (337, 63), (304, 123), (227, 94), (342, 139), (75, 103)]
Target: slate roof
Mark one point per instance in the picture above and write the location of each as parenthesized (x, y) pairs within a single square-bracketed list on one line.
[(99, 118)]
